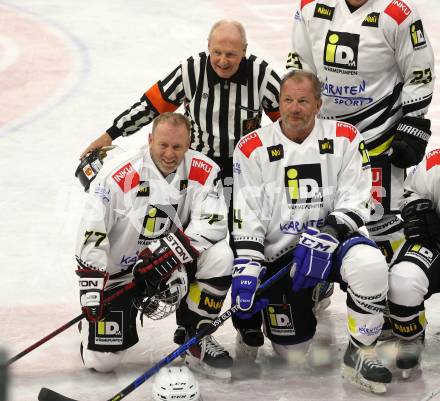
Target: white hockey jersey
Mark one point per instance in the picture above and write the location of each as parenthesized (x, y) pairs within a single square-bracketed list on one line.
[(423, 182), (375, 64), (130, 204), (282, 187)]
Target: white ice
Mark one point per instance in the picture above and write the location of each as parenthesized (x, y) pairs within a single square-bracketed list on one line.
[(67, 68)]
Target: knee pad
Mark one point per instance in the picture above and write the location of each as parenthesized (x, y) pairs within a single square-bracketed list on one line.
[(408, 284), (216, 261), (102, 362), (365, 270), (293, 353)]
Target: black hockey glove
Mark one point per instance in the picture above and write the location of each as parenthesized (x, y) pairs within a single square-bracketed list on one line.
[(410, 141), (160, 259), (91, 292), (420, 222)]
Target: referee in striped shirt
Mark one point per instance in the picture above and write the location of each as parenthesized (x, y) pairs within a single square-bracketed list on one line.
[(223, 92)]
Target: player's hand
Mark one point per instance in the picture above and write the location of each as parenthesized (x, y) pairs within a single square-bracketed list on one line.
[(312, 258), (104, 140), (91, 292)]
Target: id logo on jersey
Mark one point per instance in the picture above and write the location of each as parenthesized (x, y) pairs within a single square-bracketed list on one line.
[(417, 35), (157, 222), (364, 153), (280, 320), (303, 185), (422, 254), (108, 331), (341, 50)]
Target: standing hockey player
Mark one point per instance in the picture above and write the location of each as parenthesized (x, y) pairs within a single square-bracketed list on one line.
[(376, 66), (149, 211), (302, 193), (415, 273)]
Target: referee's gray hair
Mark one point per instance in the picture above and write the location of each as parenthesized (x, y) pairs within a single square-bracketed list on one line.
[(236, 24), (173, 119), (300, 75)]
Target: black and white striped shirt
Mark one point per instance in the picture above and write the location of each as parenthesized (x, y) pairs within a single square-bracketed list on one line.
[(221, 111)]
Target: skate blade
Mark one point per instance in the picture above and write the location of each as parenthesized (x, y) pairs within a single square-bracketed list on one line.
[(357, 380), (196, 365)]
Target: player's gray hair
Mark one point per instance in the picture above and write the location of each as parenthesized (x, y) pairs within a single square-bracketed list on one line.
[(173, 119), (233, 23), (300, 75)]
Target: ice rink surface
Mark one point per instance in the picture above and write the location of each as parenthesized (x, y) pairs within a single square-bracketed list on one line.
[(67, 68)]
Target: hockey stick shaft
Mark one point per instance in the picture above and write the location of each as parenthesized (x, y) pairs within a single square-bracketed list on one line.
[(107, 301), (209, 329)]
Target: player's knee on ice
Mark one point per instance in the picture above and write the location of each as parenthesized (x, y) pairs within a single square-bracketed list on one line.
[(102, 362)]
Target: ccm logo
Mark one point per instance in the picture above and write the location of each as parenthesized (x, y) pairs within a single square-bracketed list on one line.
[(319, 244)]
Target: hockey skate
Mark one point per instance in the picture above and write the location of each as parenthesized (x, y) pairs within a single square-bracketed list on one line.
[(409, 353), (362, 368), (208, 357), (247, 342), (322, 296), (387, 328)]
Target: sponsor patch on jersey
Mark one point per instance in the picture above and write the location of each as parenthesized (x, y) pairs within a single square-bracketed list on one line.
[(303, 185), (109, 330), (345, 130), (249, 143), (249, 125), (126, 177), (364, 153), (210, 303), (236, 168), (305, 2), (341, 51), (411, 327), (103, 193), (326, 146), (398, 11), (324, 11), (417, 35), (199, 171), (297, 16), (377, 189), (432, 159), (280, 319), (275, 152), (422, 254), (372, 20), (143, 189), (297, 227)]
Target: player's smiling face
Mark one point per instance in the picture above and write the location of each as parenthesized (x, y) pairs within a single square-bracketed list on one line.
[(226, 51), (298, 108), (168, 145)]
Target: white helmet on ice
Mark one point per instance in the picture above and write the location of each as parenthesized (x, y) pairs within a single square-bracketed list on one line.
[(176, 383)]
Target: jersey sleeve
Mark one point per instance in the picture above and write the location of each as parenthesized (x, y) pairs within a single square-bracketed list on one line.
[(423, 182), (165, 95), (92, 245), (353, 193), (209, 215), (271, 94), (249, 229), (415, 58), (300, 56)]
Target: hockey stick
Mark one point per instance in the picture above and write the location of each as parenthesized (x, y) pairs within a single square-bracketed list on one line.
[(50, 395), (107, 301)]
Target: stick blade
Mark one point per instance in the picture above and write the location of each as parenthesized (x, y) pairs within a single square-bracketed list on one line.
[(46, 394)]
